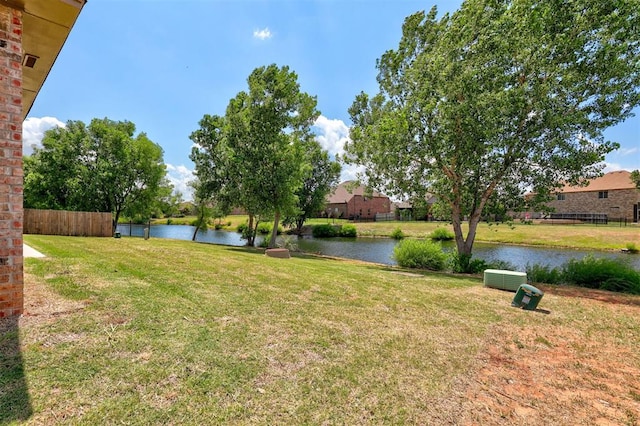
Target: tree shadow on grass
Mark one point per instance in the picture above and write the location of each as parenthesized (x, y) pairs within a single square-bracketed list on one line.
[(261, 252), (246, 250), (15, 404)]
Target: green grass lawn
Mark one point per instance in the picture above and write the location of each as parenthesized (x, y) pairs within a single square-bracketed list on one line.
[(175, 332)]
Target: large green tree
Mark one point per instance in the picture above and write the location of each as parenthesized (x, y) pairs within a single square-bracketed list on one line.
[(324, 175), (253, 157), (99, 167), (499, 98)]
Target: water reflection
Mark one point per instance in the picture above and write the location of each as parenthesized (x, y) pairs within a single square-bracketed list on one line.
[(380, 250), (184, 232)]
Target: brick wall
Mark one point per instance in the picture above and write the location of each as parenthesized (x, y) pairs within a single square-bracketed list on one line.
[(367, 207), (618, 204), (11, 279)]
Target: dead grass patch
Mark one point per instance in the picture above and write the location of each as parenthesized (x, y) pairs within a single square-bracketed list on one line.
[(41, 304), (558, 374)]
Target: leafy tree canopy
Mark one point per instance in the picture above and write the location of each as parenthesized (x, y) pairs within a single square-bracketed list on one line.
[(323, 176), (100, 167), (499, 98), (253, 157)]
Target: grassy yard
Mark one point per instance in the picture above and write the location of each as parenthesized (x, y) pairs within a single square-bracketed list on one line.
[(174, 332)]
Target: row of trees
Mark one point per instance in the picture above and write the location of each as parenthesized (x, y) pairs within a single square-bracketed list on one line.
[(262, 156), (500, 98)]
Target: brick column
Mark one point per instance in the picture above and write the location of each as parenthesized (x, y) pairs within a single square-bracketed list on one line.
[(11, 213)]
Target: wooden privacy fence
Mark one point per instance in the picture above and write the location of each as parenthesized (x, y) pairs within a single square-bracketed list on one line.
[(62, 222)]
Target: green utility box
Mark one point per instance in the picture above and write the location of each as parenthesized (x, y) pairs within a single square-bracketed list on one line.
[(527, 297), (116, 235), (504, 280)]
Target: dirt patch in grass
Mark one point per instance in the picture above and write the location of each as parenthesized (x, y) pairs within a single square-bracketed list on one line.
[(41, 304), (584, 293), (558, 375)]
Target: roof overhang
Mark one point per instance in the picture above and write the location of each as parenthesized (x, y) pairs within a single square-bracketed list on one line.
[(46, 24)]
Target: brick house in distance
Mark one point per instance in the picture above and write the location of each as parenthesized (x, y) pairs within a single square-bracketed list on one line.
[(614, 195), (350, 201), (32, 33)]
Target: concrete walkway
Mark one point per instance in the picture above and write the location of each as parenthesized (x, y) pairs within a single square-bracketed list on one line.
[(30, 252)]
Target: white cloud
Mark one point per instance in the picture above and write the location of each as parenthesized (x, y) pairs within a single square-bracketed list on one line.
[(611, 167), (180, 176), (332, 134), (262, 34), (33, 129), (628, 151)]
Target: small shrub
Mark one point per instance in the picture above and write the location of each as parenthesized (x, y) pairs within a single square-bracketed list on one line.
[(631, 248), (288, 242), (544, 274), (324, 231), (265, 241), (348, 231), (169, 221), (602, 273), (264, 228), (441, 234), (423, 254), (218, 226), (462, 263), (397, 234), (244, 230)]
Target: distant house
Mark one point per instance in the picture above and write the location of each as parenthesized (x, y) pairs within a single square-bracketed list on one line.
[(408, 210), (403, 210), (614, 195), (350, 201)]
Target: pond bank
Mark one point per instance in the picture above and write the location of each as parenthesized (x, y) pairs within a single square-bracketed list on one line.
[(380, 250)]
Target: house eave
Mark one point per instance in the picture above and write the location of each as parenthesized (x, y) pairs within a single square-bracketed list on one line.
[(46, 25)]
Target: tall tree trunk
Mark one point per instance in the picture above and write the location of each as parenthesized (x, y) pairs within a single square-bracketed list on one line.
[(251, 232), (115, 221), (456, 221), (199, 223), (274, 231)]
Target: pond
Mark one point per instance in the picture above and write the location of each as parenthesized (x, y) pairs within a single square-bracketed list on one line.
[(380, 250)]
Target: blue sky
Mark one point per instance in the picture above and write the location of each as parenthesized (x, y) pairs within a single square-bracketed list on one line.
[(163, 64)]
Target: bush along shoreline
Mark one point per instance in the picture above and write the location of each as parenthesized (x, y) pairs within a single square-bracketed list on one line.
[(589, 272), (331, 231)]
